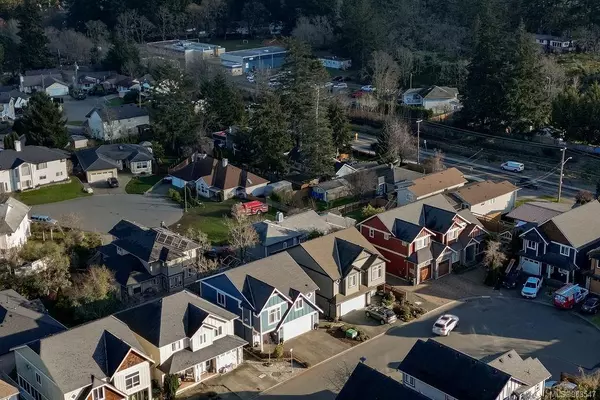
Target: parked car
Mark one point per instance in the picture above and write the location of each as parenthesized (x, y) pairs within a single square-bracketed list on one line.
[(341, 85), (368, 88), (358, 94), (78, 94), (532, 287), (512, 278), (328, 84), (113, 182), (382, 314), (250, 78), (43, 218), (513, 166), (569, 295), (591, 305), (528, 184), (445, 324)]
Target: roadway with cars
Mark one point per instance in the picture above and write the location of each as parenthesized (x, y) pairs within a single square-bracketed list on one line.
[(562, 341)]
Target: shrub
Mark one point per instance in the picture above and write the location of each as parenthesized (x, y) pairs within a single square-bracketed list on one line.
[(275, 197), (278, 352), (170, 386), (369, 211), (388, 299), (362, 336), (583, 197), (403, 312), (175, 195)]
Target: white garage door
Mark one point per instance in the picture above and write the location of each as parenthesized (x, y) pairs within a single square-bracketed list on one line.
[(57, 91), (298, 326), (353, 304), (530, 266), (100, 176)]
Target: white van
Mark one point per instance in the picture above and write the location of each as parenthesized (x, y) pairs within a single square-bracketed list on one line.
[(513, 166)]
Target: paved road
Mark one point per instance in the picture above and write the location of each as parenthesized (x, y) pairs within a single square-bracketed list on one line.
[(100, 213), (488, 326)]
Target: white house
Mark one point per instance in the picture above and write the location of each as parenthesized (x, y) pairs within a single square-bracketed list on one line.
[(112, 123), (487, 197), (14, 224), (51, 82), (555, 43), (27, 167), (439, 99), (429, 185)]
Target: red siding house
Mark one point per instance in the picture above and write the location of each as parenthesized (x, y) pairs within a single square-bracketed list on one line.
[(425, 239)]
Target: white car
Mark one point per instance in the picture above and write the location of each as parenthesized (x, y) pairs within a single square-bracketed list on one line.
[(513, 166), (445, 324), (531, 288), (250, 78), (367, 88), (341, 85)]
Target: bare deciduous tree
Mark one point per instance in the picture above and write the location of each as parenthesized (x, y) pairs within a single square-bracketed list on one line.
[(205, 15), (126, 24), (143, 27), (316, 31), (166, 19), (396, 142), (242, 235), (69, 45), (556, 79), (97, 31), (203, 263), (405, 59), (362, 182), (385, 75), (435, 163)]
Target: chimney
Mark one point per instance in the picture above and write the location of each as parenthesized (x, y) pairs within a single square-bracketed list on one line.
[(18, 145), (278, 216), (225, 162)]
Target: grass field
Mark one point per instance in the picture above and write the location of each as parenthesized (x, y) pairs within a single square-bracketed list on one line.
[(141, 184), (52, 193)]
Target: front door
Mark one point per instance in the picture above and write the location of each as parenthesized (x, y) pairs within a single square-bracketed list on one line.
[(470, 254), (425, 273)]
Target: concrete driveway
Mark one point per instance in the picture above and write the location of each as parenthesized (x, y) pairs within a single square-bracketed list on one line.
[(102, 188), (99, 213), (561, 341)]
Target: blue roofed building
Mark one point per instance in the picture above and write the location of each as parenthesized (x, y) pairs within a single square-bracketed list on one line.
[(253, 59)]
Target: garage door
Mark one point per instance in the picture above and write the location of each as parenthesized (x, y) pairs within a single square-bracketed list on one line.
[(356, 303), (297, 326), (100, 176), (425, 273), (530, 266), (444, 268), (59, 91)]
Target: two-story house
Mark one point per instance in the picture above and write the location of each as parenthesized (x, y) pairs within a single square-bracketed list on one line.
[(148, 260), (111, 123), (11, 103), (346, 267), (439, 99), (439, 372), (104, 161), (274, 298), (101, 360), (429, 185), (27, 167), (14, 224), (559, 247), (425, 239), (487, 198), (187, 336)]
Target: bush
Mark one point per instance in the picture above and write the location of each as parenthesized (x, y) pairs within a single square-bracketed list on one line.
[(170, 386), (275, 197), (388, 299), (278, 352), (369, 211), (362, 336), (403, 312), (583, 197), (175, 195)]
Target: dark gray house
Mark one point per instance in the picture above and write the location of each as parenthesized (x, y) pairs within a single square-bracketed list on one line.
[(103, 162)]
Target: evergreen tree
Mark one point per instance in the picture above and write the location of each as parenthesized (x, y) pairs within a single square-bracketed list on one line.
[(9, 140), (340, 126), (317, 146), (566, 113), (43, 123), (33, 49), (361, 30), (123, 56), (224, 105)]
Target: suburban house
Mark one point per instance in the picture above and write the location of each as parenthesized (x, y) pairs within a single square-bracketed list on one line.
[(440, 372), (99, 360), (8, 391), (217, 179), (187, 336), (149, 260), (368, 383), (439, 99), (559, 246), (555, 43), (111, 123), (387, 178), (592, 280), (274, 298), (104, 161), (487, 198), (284, 233), (12, 102), (331, 190), (346, 267), (14, 224), (343, 168), (426, 239), (536, 212), (27, 167), (52, 82), (429, 185), (22, 321)]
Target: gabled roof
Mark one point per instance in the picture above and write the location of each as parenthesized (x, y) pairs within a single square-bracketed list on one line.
[(128, 269), (7, 390), (12, 94), (117, 113), (22, 321), (529, 371), (217, 173), (577, 227), (12, 213), (42, 78), (480, 192), (435, 92), (453, 372), (368, 383), (94, 349), (90, 160), (171, 318), (437, 181), (336, 252), (270, 232), (107, 155), (10, 159), (333, 184), (538, 211), (150, 244)]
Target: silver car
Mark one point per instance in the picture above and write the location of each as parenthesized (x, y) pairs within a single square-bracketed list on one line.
[(445, 324)]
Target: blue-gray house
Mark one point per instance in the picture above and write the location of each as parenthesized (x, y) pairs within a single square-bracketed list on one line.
[(559, 247), (273, 297)]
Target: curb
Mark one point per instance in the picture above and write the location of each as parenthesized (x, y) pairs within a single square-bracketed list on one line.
[(152, 188)]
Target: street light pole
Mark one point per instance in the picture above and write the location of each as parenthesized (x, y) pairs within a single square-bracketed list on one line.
[(562, 166), (419, 141)]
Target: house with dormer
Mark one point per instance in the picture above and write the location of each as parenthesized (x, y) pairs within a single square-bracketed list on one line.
[(273, 297), (559, 247), (425, 239), (101, 360), (186, 336), (346, 267)]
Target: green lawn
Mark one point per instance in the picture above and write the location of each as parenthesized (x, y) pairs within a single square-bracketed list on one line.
[(356, 214), (141, 184), (52, 193), (209, 218), (116, 101), (322, 206), (596, 320)]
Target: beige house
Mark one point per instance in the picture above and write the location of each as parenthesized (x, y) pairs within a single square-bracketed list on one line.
[(429, 185), (487, 198)]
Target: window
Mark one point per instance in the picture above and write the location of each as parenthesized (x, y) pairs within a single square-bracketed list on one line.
[(202, 338), (409, 380), (386, 236), (132, 380), (42, 166), (29, 389), (26, 171), (42, 177), (274, 315), (221, 299), (565, 251), (452, 234), (38, 378), (137, 290), (59, 173), (219, 331), (299, 304), (98, 393), (371, 232), (189, 272), (352, 280), (377, 272), (421, 243), (532, 245), (285, 245), (141, 165), (176, 346)]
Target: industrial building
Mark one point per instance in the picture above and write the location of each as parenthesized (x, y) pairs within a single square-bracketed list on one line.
[(253, 59), (336, 63), (185, 51)]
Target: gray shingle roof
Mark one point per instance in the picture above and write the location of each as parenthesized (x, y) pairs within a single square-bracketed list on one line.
[(171, 318), (10, 159), (537, 211), (12, 213), (90, 160), (580, 225), (43, 79), (107, 155), (117, 113), (74, 356), (128, 269), (529, 371), (12, 94), (22, 321)]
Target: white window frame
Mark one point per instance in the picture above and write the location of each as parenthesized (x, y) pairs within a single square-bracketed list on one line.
[(38, 378), (98, 393), (534, 247), (351, 278), (131, 381), (409, 380), (371, 232), (222, 296), (299, 304), (176, 346), (377, 270), (386, 236), (202, 338), (276, 312), (43, 165), (568, 253), (452, 234), (424, 240)]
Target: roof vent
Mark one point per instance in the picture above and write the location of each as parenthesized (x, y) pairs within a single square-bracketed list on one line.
[(509, 355), (500, 360)]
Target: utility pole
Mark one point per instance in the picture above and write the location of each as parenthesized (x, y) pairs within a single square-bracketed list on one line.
[(562, 165), (410, 83), (419, 141)]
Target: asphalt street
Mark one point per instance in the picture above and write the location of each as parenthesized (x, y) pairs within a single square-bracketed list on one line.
[(562, 341)]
